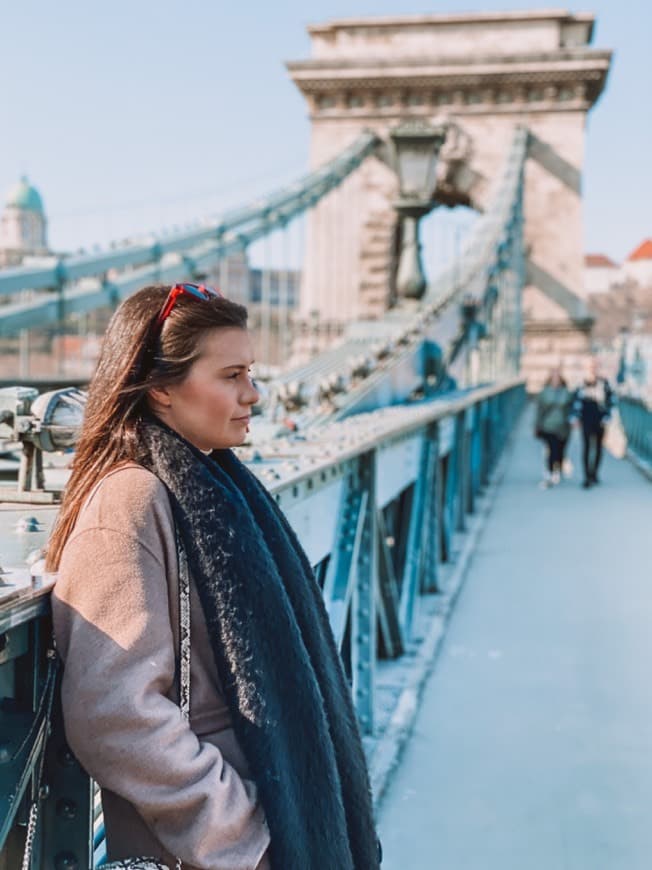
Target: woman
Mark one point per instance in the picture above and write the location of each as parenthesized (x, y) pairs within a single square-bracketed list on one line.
[(269, 772), (552, 424)]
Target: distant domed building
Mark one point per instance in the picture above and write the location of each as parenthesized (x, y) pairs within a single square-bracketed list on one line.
[(23, 225)]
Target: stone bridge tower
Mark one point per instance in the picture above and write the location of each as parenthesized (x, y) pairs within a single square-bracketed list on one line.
[(486, 73)]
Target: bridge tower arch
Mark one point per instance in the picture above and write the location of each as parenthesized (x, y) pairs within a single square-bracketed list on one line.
[(484, 73)]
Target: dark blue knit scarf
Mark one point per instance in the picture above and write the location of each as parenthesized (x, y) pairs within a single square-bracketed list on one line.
[(275, 654)]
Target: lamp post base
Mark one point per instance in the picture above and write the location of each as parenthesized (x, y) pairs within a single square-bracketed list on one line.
[(410, 277)]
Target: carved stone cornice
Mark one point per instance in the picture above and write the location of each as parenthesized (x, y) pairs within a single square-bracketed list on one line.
[(564, 80), (562, 55), (393, 22)]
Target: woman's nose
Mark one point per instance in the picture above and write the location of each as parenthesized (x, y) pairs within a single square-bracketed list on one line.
[(252, 395)]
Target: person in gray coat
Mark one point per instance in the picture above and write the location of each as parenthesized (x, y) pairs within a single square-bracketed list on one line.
[(552, 424), (171, 553)]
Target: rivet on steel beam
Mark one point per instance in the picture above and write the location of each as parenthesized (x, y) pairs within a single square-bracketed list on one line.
[(66, 758), (66, 861), (66, 809)]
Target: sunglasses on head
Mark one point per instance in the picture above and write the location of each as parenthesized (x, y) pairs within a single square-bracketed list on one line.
[(198, 291)]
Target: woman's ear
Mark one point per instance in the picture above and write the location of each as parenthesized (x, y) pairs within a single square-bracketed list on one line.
[(159, 397)]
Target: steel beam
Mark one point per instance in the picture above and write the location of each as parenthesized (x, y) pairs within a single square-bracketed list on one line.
[(433, 516), (363, 609), (414, 554), (388, 597)]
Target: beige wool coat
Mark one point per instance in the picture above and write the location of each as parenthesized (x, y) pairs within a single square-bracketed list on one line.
[(169, 788)]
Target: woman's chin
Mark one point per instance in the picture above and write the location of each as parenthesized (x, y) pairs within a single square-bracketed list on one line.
[(236, 441)]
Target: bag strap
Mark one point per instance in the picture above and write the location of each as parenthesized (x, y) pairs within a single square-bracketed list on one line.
[(184, 636), (184, 629)]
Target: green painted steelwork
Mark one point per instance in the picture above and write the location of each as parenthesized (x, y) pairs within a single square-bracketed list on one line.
[(636, 416), (141, 264)]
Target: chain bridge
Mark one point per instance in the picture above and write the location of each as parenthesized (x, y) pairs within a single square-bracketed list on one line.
[(493, 634)]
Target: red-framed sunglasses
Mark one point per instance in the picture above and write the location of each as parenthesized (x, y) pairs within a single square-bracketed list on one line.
[(198, 291)]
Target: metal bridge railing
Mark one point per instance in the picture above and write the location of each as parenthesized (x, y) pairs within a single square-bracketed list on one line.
[(636, 416), (376, 502)]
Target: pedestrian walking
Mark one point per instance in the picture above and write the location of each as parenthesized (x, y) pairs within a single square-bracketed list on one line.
[(202, 687), (592, 406), (552, 424)]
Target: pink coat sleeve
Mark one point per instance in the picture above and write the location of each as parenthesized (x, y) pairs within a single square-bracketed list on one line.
[(112, 625)]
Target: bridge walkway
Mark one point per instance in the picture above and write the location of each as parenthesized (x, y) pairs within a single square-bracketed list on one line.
[(532, 749)]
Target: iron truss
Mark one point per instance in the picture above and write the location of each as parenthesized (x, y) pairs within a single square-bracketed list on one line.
[(82, 283)]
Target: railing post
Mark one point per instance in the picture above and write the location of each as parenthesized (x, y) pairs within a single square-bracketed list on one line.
[(67, 831), (23, 676), (496, 427), (387, 602), (415, 554), (432, 524), (461, 469), (449, 489), (468, 459), (485, 418), (363, 611), (473, 425)]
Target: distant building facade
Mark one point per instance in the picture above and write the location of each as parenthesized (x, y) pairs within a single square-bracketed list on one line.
[(638, 266), (283, 286), (23, 225), (252, 286), (620, 299), (232, 276), (602, 274)]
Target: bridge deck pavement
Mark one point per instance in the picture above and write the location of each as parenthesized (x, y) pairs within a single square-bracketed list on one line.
[(532, 749)]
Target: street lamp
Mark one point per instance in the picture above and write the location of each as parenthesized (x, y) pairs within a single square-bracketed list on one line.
[(416, 148)]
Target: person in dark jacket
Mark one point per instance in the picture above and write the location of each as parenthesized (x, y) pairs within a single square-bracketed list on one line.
[(592, 405), (552, 424)]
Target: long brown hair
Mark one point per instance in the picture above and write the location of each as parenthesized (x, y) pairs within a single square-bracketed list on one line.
[(562, 379), (132, 361)]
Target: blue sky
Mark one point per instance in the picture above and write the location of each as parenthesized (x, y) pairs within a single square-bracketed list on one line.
[(137, 115)]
